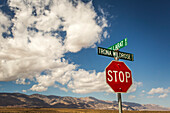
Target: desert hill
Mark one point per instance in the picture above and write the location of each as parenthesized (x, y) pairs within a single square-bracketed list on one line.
[(51, 101)]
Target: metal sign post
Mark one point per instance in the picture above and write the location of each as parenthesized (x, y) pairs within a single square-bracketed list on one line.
[(119, 102), (119, 95)]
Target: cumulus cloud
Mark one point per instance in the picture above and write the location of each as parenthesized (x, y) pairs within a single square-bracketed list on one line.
[(38, 88), (24, 91), (163, 95), (42, 31), (60, 74), (19, 59), (81, 24), (88, 81), (159, 90)]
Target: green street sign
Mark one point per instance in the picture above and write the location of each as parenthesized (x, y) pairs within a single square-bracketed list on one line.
[(119, 45), (111, 53)]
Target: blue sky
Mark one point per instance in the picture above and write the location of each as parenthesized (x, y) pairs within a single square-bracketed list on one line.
[(144, 22)]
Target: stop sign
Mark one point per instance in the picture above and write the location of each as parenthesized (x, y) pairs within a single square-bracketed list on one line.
[(118, 76)]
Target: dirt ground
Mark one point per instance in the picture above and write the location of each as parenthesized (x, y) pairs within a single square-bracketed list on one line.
[(62, 110)]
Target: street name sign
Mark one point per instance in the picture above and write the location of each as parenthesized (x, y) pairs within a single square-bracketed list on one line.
[(107, 52), (111, 53), (118, 76), (125, 56), (119, 45)]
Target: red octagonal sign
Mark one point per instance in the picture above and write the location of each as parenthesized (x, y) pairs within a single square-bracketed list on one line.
[(118, 76)]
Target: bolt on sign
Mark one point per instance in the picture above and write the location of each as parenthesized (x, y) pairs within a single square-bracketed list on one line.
[(118, 76)]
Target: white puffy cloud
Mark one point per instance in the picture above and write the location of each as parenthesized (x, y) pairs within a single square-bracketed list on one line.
[(22, 59), (38, 88), (159, 90), (163, 95), (88, 81), (82, 28), (24, 91), (61, 74), (36, 42)]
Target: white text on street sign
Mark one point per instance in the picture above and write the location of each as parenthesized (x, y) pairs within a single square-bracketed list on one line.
[(111, 53), (119, 45)]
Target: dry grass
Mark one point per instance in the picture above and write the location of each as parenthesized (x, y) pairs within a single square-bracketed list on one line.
[(60, 110)]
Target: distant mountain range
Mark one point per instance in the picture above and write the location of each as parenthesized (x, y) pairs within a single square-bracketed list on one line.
[(43, 101)]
